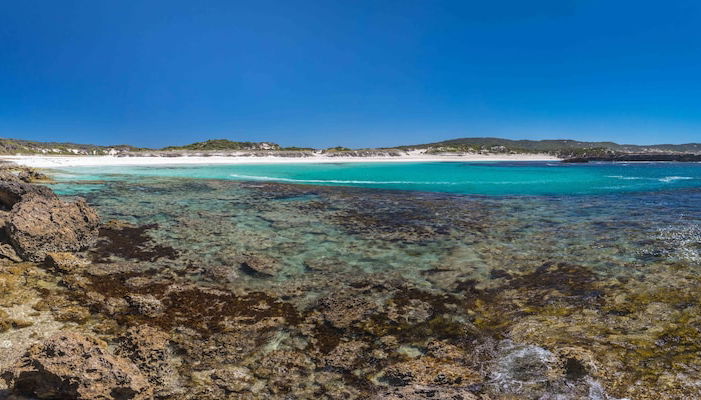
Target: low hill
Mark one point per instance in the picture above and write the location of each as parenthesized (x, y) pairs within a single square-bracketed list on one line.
[(20, 146), (565, 148), (225, 144)]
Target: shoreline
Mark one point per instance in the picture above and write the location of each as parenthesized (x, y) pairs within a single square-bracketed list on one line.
[(95, 161)]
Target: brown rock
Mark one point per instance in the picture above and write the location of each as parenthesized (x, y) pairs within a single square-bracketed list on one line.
[(65, 262), (8, 252), (12, 193), (145, 304), (31, 175), (73, 366), (39, 225), (260, 266), (149, 349), (421, 392), (346, 355), (429, 371), (7, 176)]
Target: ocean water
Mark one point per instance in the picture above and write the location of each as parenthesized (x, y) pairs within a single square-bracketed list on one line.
[(527, 178), (549, 281)]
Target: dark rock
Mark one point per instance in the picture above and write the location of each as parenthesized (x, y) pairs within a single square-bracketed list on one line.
[(12, 193), (73, 366), (40, 224)]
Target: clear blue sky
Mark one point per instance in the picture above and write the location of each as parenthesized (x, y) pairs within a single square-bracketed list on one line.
[(354, 73)]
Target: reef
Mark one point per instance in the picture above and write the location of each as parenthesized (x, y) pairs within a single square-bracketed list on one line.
[(225, 290)]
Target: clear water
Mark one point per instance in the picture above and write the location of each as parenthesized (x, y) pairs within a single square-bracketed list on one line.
[(546, 262), (465, 178)]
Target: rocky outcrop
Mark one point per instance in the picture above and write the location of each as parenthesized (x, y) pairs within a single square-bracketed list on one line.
[(12, 193), (42, 224), (73, 366)]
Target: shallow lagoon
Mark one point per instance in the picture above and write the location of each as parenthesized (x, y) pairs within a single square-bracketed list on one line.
[(488, 178), (579, 281)]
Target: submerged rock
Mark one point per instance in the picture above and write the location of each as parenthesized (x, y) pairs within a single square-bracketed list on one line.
[(260, 266), (73, 366), (41, 224)]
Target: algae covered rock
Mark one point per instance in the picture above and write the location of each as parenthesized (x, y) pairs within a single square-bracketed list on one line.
[(42, 224), (73, 366), (259, 265)]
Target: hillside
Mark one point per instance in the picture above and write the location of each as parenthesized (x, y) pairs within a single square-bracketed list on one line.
[(563, 148), (485, 145), (225, 144), (20, 146)]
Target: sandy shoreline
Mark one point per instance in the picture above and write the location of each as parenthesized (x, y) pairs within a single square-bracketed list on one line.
[(79, 161)]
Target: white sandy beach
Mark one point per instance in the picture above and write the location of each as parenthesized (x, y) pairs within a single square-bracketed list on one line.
[(46, 161)]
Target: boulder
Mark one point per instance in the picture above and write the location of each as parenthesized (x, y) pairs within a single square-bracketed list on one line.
[(42, 224), (73, 366), (12, 193)]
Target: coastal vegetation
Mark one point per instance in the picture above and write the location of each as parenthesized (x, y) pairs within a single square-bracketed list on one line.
[(566, 149)]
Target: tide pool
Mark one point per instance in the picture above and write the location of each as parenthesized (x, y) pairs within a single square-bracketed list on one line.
[(499, 178)]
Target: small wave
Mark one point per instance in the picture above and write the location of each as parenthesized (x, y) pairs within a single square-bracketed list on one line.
[(274, 179), (665, 179), (675, 178), (626, 178)]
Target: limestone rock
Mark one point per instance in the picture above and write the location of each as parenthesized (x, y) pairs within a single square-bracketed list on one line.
[(41, 224), (6, 251), (73, 366), (12, 193), (148, 348), (65, 262), (260, 266), (421, 392), (145, 304)]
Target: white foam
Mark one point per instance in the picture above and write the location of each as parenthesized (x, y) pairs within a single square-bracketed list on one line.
[(275, 179), (674, 178)]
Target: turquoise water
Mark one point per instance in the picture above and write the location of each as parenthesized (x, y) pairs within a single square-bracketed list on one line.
[(564, 282), (527, 178)]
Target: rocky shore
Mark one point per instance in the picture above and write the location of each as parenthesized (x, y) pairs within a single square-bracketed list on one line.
[(105, 308)]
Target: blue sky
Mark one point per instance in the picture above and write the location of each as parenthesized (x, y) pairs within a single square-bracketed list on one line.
[(353, 73)]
